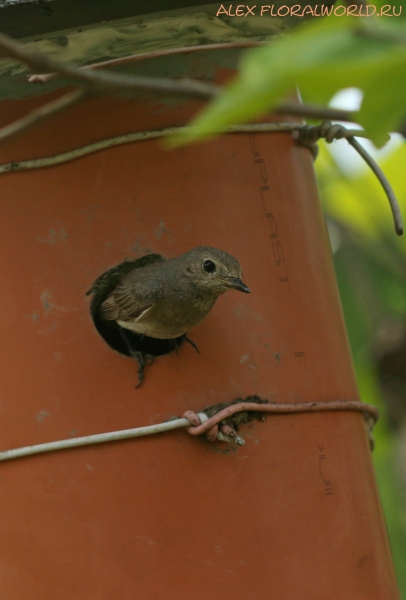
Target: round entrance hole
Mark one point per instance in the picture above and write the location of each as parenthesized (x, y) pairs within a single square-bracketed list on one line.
[(122, 340)]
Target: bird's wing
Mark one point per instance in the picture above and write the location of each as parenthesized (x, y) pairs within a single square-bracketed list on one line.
[(131, 299), (115, 274)]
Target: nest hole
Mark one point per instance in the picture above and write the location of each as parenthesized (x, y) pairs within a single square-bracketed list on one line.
[(121, 340)]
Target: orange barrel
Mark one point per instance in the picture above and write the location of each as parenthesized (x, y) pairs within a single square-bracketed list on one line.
[(294, 514)]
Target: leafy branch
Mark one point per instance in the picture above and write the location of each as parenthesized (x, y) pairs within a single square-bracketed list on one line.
[(322, 57), (94, 81)]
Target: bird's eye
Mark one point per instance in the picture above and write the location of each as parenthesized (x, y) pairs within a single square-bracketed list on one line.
[(209, 266)]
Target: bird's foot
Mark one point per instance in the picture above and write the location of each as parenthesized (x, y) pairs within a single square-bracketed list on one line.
[(139, 357), (191, 343)]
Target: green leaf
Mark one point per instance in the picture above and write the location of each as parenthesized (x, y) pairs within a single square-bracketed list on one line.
[(320, 57)]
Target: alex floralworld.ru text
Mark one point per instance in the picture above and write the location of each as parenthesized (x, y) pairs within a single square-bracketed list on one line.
[(319, 10)]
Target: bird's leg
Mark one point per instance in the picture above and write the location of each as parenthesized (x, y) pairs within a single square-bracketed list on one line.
[(138, 355), (191, 343)]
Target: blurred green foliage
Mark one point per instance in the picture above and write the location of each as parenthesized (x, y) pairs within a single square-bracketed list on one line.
[(322, 56), (370, 263)]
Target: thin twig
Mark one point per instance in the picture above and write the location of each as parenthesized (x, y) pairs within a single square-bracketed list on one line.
[(45, 77), (313, 111), (104, 82), (397, 217), (43, 113)]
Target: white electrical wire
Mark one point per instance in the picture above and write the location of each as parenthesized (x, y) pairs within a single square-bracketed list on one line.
[(38, 163), (111, 436), (99, 438)]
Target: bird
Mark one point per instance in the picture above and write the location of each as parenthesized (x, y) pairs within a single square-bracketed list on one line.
[(164, 300)]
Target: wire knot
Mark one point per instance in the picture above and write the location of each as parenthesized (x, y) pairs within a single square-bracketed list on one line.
[(218, 431), (215, 427), (309, 135)]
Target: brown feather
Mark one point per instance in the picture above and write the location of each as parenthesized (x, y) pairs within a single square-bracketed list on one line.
[(131, 298)]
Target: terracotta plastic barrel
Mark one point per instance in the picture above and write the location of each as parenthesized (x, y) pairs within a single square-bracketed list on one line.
[(294, 514)]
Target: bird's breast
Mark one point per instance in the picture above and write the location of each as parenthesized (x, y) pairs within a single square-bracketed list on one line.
[(167, 320)]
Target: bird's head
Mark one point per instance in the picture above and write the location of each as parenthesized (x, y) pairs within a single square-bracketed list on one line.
[(214, 270)]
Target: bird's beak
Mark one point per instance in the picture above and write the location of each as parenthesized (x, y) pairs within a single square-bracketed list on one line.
[(237, 284)]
